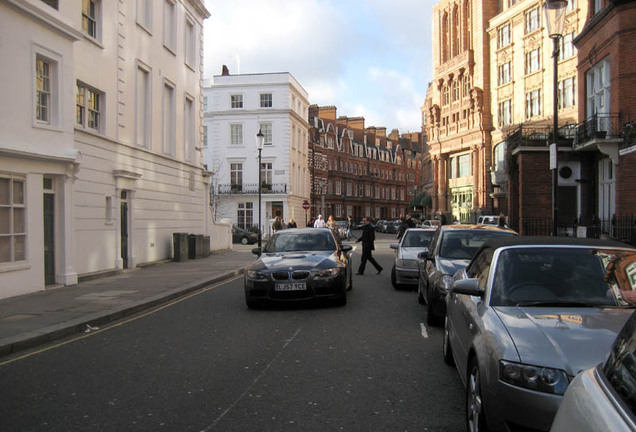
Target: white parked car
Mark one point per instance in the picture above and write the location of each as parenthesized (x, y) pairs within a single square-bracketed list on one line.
[(405, 271)]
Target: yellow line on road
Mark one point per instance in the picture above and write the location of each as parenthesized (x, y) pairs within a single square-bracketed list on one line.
[(93, 333)]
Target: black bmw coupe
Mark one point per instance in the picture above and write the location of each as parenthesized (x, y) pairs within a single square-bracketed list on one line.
[(299, 265)]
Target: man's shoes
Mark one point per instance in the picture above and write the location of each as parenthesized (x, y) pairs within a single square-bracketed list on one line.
[(359, 274), (380, 271)]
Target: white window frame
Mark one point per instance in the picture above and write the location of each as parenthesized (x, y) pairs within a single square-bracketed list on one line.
[(170, 25), (533, 103), (598, 90), (505, 73), (567, 92), (51, 92), (505, 112), (190, 40), (267, 172), (144, 14), (236, 173), (236, 101), (168, 117), (267, 100), (88, 110), (143, 102), (533, 61), (566, 46), (189, 135), (266, 130), (236, 134), (9, 208), (93, 16), (532, 20), (503, 36)]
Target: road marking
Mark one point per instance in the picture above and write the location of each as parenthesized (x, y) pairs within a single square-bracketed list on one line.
[(256, 380), (93, 333), (424, 332)]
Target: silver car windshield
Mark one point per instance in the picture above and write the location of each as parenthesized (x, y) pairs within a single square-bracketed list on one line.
[(563, 275), (464, 244), (419, 239), (292, 242)]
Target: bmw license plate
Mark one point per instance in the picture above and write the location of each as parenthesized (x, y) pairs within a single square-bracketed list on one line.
[(293, 286)]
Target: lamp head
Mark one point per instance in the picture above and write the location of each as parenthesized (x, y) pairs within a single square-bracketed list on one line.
[(555, 16), (260, 139)]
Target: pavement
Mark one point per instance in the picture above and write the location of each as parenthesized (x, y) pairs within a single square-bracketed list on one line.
[(31, 320)]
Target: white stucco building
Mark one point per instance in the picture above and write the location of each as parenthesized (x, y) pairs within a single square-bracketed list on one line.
[(100, 137), (237, 107)]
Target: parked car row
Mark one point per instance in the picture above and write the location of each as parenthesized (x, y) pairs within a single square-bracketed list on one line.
[(529, 324)]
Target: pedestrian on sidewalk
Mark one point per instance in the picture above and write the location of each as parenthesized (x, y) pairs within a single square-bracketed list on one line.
[(367, 238)]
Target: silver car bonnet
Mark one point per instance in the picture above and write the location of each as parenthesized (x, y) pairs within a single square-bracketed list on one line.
[(410, 253), (572, 339)]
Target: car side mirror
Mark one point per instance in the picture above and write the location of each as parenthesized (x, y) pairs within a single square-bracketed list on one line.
[(257, 251), (468, 287), (346, 248), (394, 245), (426, 254)]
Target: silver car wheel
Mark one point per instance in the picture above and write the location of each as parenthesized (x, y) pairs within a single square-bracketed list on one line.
[(475, 420)]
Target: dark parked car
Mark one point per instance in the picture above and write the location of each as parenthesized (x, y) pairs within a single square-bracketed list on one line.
[(244, 237), (404, 272), (298, 265), (525, 317), (451, 249)]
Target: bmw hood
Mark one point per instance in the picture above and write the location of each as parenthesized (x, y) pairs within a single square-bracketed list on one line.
[(572, 339), (450, 266), (297, 260)]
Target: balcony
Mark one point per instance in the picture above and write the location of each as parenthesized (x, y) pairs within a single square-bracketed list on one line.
[(599, 127), (604, 132), (251, 189)]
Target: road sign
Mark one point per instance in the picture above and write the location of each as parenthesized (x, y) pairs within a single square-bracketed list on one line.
[(305, 205)]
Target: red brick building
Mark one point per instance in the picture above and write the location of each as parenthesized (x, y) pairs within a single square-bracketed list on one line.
[(360, 171), (606, 140)]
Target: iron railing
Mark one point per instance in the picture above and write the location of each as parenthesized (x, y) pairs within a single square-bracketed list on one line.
[(250, 188), (620, 228)]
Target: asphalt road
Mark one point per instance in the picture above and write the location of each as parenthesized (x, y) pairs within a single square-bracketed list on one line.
[(207, 363)]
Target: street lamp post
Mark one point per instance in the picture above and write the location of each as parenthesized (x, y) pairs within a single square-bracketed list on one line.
[(260, 138), (555, 20)]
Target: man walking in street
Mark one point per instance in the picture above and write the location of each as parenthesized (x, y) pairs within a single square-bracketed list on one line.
[(367, 238)]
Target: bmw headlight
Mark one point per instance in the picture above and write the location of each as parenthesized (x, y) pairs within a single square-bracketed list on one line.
[(255, 274), (538, 378), (407, 263), (327, 272), (447, 280)]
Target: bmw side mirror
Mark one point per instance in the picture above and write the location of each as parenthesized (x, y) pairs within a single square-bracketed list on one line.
[(257, 251), (394, 245)]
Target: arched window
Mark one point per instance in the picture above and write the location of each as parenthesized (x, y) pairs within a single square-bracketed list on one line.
[(444, 38), (466, 22), (456, 29)]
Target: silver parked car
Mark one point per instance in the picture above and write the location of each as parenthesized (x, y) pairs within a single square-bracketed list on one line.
[(524, 318), (604, 398), (451, 249), (405, 268)]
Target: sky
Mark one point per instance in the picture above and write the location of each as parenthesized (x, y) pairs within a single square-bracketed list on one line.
[(369, 58)]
